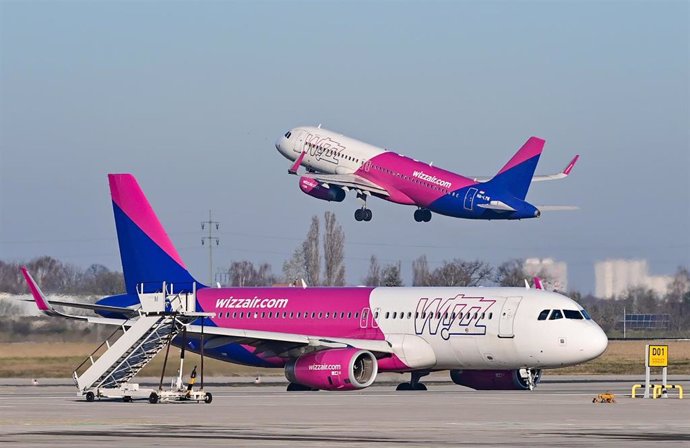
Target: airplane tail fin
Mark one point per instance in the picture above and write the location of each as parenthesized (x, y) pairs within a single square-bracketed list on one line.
[(148, 255), (516, 175)]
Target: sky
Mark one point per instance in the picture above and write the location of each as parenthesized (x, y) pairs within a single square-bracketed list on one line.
[(191, 96)]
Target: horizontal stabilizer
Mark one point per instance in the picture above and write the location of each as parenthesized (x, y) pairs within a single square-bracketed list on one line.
[(498, 206), (557, 208)]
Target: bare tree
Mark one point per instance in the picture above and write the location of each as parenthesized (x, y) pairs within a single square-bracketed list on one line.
[(333, 251), (294, 269), (244, 273), (373, 277), (461, 273), (420, 272), (391, 276), (312, 257), (511, 273)]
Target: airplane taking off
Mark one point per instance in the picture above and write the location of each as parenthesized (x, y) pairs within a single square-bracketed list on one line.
[(336, 163), (341, 338)]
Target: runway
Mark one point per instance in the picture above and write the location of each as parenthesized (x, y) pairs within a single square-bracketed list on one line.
[(556, 413)]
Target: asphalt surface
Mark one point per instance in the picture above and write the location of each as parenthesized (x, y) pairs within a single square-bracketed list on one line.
[(559, 412)]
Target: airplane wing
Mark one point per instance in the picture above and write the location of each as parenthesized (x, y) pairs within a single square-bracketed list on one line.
[(47, 308), (352, 181), (276, 342), (270, 340), (542, 177)]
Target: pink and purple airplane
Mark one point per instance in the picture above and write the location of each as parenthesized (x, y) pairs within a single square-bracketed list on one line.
[(336, 163), (341, 338)]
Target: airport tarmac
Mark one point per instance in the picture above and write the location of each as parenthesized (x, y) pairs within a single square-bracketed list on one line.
[(559, 412)]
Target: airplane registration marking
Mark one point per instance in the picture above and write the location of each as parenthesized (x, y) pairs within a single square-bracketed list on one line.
[(456, 316)]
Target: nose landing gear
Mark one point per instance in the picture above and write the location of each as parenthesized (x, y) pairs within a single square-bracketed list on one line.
[(422, 215), (414, 383)]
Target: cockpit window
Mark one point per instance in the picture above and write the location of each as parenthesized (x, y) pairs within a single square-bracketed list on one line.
[(585, 314), (288, 134), (543, 315), (556, 314), (572, 314)]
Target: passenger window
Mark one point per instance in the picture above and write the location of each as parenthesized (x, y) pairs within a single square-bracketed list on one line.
[(320, 315), (356, 315), (543, 315), (491, 315), (402, 315), (409, 314), (572, 314), (376, 315), (556, 314), (387, 314), (349, 315), (395, 314)]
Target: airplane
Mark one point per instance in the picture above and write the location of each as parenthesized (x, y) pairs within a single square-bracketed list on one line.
[(336, 164), (340, 338)]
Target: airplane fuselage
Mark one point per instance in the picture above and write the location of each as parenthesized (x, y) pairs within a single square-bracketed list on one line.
[(428, 328)]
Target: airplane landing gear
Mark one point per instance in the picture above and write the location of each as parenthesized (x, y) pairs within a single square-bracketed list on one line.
[(296, 387), (422, 215), (363, 214), (414, 383)]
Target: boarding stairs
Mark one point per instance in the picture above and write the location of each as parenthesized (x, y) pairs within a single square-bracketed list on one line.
[(161, 317)]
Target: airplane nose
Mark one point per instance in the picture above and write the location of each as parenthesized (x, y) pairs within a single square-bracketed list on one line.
[(278, 143), (597, 343)]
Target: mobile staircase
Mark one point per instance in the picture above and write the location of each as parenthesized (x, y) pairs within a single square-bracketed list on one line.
[(162, 316)]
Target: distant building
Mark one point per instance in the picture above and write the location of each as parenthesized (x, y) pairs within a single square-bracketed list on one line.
[(556, 272), (614, 277)]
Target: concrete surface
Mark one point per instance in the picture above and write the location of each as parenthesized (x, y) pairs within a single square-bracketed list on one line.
[(559, 412)]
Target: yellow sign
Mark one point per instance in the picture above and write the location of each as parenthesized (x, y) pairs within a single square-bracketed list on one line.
[(657, 355)]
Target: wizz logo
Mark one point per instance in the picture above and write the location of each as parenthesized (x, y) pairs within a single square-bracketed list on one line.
[(324, 148), (458, 315)]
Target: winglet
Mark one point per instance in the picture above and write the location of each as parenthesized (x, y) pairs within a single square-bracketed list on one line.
[(570, 166), (538, 283), (293, 169), (39, 298)]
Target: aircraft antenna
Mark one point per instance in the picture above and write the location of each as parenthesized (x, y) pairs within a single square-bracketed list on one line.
[(210, 239)]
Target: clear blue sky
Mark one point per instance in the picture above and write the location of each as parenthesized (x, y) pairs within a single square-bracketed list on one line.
[(190, 97)]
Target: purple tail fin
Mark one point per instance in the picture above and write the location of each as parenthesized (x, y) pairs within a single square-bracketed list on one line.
[(148, 256), (517, 174)]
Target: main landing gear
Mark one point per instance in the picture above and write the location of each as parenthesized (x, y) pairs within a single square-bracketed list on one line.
[(363, 214), (422, 215), (414, 383)]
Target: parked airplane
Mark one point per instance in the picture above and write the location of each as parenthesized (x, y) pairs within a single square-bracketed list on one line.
[(336, 163), (341, 338)]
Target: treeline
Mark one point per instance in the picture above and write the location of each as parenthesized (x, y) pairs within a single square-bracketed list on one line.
[(319, 261), (57, 277)]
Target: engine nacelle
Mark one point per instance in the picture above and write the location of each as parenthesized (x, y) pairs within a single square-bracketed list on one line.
[(518, 379), (325, 192), (333, 369)]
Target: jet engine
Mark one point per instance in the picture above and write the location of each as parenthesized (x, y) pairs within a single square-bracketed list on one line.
[(333, 369), (518, 379), (321, 191)]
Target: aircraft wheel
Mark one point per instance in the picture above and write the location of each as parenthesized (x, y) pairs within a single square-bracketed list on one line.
[(295, 387), (359, 214), (90, 397), (426, 216), (417, 216), (419, 386), (404, 386), (368, 214)]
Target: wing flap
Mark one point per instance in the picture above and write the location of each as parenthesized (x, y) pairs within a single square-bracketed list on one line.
[(350, 181)]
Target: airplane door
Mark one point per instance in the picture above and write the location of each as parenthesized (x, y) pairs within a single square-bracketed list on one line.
[(505, 323), (299, 142), (364, 319), (469, 198)]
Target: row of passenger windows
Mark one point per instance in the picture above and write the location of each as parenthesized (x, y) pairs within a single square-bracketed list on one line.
[(350, 315), (436, 315), (286, 315), (558, 314), (412, 179), (329, 152)]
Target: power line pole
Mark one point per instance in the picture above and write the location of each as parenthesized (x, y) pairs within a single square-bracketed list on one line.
[(210, 239)]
